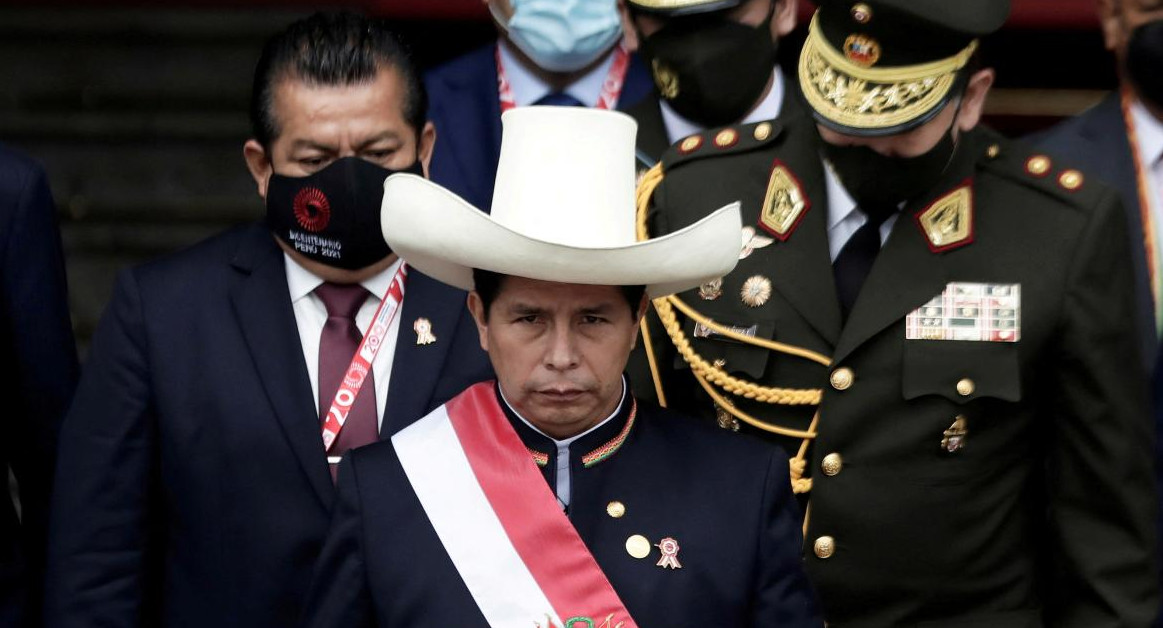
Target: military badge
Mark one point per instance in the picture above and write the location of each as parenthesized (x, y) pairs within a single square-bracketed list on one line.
[(665, 78), (752, 241), (711, 290), (979, 312), (669, 549), (756, 291), (948, 221), (783, 204), (862, 50), (423, 329), (953, 439)]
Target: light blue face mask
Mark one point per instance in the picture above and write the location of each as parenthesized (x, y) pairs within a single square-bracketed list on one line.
[(563, 35)]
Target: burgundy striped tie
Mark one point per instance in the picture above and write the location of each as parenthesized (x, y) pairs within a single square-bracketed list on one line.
[(337, 345)]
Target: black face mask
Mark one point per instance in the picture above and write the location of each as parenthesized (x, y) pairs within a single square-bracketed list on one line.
[(333, 216), (711, 69), (1145, 61), (877, 181)]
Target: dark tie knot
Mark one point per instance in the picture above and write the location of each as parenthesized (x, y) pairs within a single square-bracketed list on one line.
[(877, 214), (559, 99), (342, 300)]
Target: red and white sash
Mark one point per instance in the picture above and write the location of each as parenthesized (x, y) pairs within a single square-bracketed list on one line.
[(496, 515)]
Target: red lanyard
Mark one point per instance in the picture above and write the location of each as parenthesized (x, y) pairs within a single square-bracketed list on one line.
[(1145, 213), (361, 362), (611, 87)]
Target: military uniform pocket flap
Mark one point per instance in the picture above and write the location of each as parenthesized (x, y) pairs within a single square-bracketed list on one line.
[(961, 371), (738, 356)]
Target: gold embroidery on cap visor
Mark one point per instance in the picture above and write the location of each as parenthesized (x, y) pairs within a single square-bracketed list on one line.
[(865, 98)]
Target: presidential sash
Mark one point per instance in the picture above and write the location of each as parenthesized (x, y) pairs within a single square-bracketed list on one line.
[(495, 515)]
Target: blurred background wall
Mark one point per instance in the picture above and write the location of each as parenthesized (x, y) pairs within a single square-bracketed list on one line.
[(138, 110)]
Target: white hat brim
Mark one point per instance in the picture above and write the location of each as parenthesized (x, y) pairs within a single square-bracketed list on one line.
[(445, 237)]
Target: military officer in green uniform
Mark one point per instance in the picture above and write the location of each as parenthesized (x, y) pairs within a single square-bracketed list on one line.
[(938, 319)]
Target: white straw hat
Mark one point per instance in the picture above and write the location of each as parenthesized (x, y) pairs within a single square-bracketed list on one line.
[(563, 210)]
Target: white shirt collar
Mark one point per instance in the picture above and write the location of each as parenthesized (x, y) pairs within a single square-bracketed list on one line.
[(303, 282), (528, 88), (678, 127), (840, 202), (565, 443), (1149, 133)]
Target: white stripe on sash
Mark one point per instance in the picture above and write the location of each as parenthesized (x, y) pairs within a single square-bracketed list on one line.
[(439, 471)]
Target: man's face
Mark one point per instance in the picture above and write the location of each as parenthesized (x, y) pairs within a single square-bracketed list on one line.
[(749, 12), (1120, 18), (318, 124), (923, 138), (558, 350)]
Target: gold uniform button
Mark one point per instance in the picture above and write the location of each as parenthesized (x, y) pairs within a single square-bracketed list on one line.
[(637, 546), (993, 151), (825, 546), (1071, 180), (965, 387), (842, 378), (1038, 165), (616, 509), (726, 138), (832, 464), (763, 131)]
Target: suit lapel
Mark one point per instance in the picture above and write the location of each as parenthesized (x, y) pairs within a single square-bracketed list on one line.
[(801, 268), (262, 304), (416, 368)]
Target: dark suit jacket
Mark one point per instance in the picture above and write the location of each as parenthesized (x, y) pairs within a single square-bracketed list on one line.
[(193, 489), (466, 110), (1046, 514), (1097, 142), (39, 355), (725, 500)]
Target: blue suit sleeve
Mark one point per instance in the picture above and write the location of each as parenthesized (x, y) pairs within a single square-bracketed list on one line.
[(39, 337), (339, 594), (784, 596), (99, 540)]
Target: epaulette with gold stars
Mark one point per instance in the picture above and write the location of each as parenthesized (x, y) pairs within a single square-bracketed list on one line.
[(716, 142), (1040, 171)]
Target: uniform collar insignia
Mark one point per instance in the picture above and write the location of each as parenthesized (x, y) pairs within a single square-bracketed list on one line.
[(948, 221), (784, 204)]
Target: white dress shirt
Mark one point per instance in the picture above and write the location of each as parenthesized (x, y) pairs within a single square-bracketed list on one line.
[(843, 217), (678, 127), (528, 88), (563, 475), (311, 314), (1149, 145)]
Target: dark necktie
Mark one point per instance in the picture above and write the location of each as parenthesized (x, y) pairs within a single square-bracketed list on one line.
[(855, 260), (337, 345), (559, 99)]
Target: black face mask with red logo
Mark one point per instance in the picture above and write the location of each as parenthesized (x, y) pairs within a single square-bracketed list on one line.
[(333, 216)]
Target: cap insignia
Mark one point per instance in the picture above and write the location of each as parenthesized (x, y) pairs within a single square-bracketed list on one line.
[(784, 203), (665, 78), (948, 221), (862, 50)]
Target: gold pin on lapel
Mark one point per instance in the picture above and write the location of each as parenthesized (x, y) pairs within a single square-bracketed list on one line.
[(423, 329), (948, 221), (783, 203), (752, 241), (711, 290), (756, 291), (954, 437)]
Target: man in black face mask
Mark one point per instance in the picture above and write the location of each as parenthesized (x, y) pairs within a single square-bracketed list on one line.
[(938, 320), (223, 382), (713, 62)]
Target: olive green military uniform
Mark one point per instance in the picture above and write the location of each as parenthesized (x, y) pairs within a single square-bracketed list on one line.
[(996, 482)]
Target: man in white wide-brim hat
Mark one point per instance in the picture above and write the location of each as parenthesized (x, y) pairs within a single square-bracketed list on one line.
[(551, 497)]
